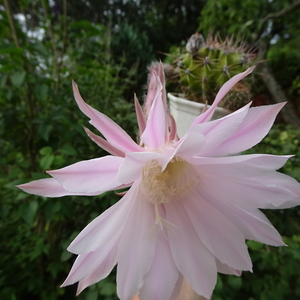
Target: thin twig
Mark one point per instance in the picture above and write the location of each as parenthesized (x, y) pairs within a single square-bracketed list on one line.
[(11, 24)]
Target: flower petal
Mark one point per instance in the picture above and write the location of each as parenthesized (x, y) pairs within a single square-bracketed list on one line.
[(162, 267), (87, 263), (133, 164), (190, 145), (101, 229), (254, 128), (217, 233), (136, 248), (48, 187), (225, 269), (286, 182), (245, 193), (104, 144), (101, 272), (114, 134), (177, 290), (241, 166), (154, 135), (90, 176), (251, 222), (218, 131), (141, 119), (191, 257), (207, 115)]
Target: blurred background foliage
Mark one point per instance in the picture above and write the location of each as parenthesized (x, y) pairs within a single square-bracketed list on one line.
[(106, 46)]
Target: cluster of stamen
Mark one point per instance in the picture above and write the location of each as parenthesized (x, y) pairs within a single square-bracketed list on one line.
[(162, 186)]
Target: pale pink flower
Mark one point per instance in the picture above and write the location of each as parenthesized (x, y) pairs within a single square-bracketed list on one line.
[(191, 203)]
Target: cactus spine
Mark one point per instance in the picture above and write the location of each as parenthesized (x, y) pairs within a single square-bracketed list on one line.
[(206, 65)]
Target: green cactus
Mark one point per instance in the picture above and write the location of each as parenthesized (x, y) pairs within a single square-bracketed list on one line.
[(206, 65)]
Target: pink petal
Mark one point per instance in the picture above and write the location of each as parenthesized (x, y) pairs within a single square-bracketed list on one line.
[(154, 135), (173, 129), (161, 279), (100, 230), (133, 164), (104, 144), (101, 272), (87, 263), (218, 131), (225, 269), (48, 187), (141, 119), (217, 233), (246, 193), (190, 145), (90, 176), (250, 221), (152, 92), (192, 258), (254, 128), (241, 166), (207, 115), (177, 289), (136, 248), (286, 182), (114, 134)]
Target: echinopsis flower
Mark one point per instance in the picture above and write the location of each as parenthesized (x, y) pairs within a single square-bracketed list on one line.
[(191, 202)]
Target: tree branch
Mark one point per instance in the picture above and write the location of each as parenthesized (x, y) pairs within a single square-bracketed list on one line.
[(275, 89), (275, 15), (11, 23)]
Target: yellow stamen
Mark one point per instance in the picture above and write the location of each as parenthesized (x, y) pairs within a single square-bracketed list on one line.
[(161, 187)]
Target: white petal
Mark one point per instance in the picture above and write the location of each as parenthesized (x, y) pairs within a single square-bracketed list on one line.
[(101, 272), (101, 229), (93, 176), (217, 233), (191, 257), (254, 128), (218, 131), (87, 263), (133, 164), (190, 145), (113, 133), (177, 289), (154, 135), (225, 269), (240, 166), (48, 187), (246, 193), (251, 222), (136, 248), (161, 279), (286, 182)]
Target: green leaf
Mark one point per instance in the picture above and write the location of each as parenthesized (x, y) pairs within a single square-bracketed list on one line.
[(28, 211), (41, 90), (18, 77), (46, 161), (65, 255), (44, 131), (68, 150), (46, 150)]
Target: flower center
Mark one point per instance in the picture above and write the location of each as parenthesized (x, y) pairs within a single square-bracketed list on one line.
[(161, 187)]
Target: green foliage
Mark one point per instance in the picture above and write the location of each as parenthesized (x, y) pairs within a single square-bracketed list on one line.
[(41, 129), (131, 47), (285, 63), (228, 17)]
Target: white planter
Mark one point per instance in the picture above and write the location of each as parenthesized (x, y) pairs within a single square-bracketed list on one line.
[(185, 111)]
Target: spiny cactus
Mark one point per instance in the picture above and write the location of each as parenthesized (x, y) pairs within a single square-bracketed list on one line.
[(206, 65)]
